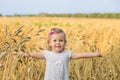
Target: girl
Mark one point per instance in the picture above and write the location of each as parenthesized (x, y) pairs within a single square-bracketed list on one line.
[(56, 57)]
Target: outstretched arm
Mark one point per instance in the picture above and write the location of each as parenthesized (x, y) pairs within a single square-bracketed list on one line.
[(85, 55), (36, 55)]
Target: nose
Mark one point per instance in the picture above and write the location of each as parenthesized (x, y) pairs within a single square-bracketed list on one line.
[(58, 42)]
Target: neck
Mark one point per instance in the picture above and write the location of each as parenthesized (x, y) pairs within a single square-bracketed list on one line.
[(57, 51)]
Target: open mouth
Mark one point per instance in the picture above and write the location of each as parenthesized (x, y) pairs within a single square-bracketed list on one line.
[(57, 46)]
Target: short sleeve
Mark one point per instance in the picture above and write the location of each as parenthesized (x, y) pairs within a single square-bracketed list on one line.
[(45, 53), (69, 53)]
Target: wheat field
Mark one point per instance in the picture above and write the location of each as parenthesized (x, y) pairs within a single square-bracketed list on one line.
[(29, 34)]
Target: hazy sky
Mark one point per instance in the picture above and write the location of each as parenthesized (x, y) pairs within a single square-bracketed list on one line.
[(10, 7)]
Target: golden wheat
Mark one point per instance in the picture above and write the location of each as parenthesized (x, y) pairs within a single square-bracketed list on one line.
[(30, 34)]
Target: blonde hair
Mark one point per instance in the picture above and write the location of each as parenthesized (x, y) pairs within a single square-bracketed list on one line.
[(54, 31)]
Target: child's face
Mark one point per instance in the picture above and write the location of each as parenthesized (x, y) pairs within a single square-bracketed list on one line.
[(57, 42)]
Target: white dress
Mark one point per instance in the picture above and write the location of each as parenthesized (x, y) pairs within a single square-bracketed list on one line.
[(57, 65)]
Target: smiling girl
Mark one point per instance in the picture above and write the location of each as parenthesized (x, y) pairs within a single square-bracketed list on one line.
[(57, 57)]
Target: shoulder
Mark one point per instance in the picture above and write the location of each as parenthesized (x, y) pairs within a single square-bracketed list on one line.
[(68, 53), (46, 51)]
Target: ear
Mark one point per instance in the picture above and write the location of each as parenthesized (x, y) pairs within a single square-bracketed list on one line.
[(65, 42)]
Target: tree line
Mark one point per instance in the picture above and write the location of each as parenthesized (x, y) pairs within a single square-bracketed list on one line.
[(77, 15)]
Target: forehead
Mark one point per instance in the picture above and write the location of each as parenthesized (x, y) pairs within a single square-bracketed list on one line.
[(58, 35)]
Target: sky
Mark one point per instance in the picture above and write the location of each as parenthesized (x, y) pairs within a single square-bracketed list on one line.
[(11, 7)]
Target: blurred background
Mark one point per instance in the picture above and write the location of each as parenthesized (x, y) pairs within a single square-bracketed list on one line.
[(77, 8)]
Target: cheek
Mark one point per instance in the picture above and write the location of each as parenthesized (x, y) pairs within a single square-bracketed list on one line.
[(63, 44), (51, 43)]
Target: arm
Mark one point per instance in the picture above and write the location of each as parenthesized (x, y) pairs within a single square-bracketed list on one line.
[(85, 55), (36, 55)]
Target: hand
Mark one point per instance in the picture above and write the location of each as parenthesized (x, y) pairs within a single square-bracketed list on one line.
[(98, 53), (14, 53), (17, 53), (21, 53)]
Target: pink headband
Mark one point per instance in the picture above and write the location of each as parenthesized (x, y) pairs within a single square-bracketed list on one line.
[(51, 32)]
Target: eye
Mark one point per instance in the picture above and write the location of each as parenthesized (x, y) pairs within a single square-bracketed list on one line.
[(54, 40), (61, 40)]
